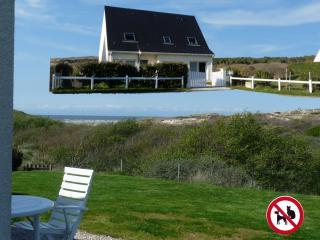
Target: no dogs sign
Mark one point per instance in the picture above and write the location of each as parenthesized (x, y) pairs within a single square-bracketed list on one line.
[(285, 215)]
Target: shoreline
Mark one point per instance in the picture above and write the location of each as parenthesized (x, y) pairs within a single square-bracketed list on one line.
[(313, 115)]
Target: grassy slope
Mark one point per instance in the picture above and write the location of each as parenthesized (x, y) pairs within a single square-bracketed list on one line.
[(274, 90), (139, 208)]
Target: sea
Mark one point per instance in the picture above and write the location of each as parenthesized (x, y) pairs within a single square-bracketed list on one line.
[(92, 120)]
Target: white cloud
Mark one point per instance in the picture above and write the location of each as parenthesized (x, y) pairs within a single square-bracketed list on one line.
[(38, 11), (35, 3), (268, 48), (277, 16)]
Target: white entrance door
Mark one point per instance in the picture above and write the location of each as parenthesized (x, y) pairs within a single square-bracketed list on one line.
[(197, 75)]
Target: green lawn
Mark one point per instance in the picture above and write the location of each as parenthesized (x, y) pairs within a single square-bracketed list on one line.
[(147, 209)]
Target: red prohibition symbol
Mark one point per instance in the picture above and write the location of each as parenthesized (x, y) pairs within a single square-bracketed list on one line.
[(285, 215)]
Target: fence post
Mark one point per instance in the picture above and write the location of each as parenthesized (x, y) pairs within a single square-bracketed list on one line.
[(182, 82), (156, 78), (310, 83), (121, 165), (53, 86), (231, 80), (127, 81), (178, 172), (279, 84), (289, 81), (60, 82), (252, 82), (92, 83)]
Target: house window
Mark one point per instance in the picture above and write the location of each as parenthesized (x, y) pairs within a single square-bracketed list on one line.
[(202, 67), (129, 37), (198, 67), (194, 67), (193, 41), (167, 40)]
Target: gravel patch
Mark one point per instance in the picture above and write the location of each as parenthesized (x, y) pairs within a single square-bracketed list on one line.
[(18, 234), (87, 236)]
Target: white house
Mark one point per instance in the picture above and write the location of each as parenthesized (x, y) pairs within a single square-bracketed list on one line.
[(317, 58), (140, 37)]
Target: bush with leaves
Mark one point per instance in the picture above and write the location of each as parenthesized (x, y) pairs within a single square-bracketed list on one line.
[(64, 69), (204, 169)]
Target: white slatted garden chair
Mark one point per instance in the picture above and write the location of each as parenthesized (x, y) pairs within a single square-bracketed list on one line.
[(69, 206)]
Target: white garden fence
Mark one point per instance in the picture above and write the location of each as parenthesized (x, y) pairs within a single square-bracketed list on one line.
[(76, 81), (197, 80), (219, 78), (250, 82)]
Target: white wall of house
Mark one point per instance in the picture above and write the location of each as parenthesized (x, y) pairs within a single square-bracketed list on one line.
[(103, 49), (317, 58)]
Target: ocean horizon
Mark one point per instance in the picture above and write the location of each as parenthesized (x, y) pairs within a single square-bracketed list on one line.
[(93, 118)]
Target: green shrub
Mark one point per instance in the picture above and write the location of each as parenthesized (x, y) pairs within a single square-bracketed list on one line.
[(263, 74), (301, 71), (172, 70), (17, 158), (242, 142), (25, 121), (239, 146), (314, 131), (206, 169), (99, 69), (122, 70), (64, 69), (101, 85)]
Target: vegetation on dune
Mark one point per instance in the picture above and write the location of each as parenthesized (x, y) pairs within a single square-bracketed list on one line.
[(250, 60), (233, 151), (149, 209), (297, 68), (290, 90), (301, 71)]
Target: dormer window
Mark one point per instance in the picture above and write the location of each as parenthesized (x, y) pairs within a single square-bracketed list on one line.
[(193, 41), (129, 37), (167, 40)]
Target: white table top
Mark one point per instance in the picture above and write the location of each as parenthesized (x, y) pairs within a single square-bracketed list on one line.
[(27, 206)]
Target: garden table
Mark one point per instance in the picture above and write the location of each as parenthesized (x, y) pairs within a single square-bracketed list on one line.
[(30, 206)]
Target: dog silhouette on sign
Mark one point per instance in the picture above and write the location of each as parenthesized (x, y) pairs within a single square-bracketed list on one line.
[(279, 218), (291, 213)]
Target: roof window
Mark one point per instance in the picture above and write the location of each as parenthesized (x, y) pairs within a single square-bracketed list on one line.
[(129, 37), (167, 40), (193, 41)]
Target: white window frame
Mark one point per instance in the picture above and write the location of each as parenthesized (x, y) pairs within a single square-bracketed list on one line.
[(195, 40), (165, 42), (129, 40)]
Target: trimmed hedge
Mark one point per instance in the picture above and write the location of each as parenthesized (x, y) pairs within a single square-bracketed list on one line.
[(121, 70), (64, 69)]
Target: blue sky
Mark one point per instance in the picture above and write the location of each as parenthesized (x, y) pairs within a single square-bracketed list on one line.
[(54, 28)]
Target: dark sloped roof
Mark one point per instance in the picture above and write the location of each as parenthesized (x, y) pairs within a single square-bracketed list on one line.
[(149, 28)]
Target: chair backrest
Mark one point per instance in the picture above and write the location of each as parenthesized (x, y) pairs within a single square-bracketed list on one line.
[(74, 191)]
